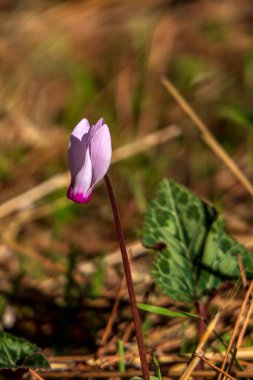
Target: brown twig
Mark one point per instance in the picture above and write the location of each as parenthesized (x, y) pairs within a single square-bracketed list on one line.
[(36, 374), (242, 271), (193, 363), (244, 327), (237, 325), (116, 359), (111, 319), (173, 374), (128, 332), (241, 334), (214, 366)]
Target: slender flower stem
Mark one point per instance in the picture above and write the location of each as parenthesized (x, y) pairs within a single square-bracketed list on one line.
[(135, 313)]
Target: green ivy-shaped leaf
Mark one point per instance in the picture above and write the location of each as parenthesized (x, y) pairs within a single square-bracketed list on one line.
[(19, 353), (194, 253)]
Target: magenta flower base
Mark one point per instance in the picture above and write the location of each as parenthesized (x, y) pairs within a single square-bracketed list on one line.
[(78, 197)]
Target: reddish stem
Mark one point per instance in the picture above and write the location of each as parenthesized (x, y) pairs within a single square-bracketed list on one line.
[(202, 312), (129, 281)]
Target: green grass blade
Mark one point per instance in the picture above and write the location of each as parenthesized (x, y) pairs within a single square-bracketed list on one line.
[(165, 312)]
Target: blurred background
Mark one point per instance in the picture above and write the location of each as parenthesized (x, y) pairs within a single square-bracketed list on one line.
[(61, 61)]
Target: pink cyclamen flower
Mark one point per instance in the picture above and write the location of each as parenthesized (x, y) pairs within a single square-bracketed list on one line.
[(89, 154)]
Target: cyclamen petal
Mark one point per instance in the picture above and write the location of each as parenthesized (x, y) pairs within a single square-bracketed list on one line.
[(78, 147), (79, 192), (76, 154), (89, 156), (82, 127), (101, 153), (93, 129)]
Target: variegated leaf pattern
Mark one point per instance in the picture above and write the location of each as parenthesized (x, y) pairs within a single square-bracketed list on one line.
[(195, 254)]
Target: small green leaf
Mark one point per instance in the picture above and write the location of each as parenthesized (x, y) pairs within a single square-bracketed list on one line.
[(194, 253), (19, 353), (236, 115), (158, 369), (164, 311), (121, 351)]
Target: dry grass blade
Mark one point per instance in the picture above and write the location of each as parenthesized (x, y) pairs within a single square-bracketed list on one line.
[(36, 374), (246, 321), (242, 271), (116, 359), (97, 374), (77, 374), (29, 197), (111, 319), (199, 348), (128, 331), (207, 135), (61, 180), (87, 267), (236, 328), (146, 142), (240, 338), (245, 324), (214, 366), (242, 333)]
